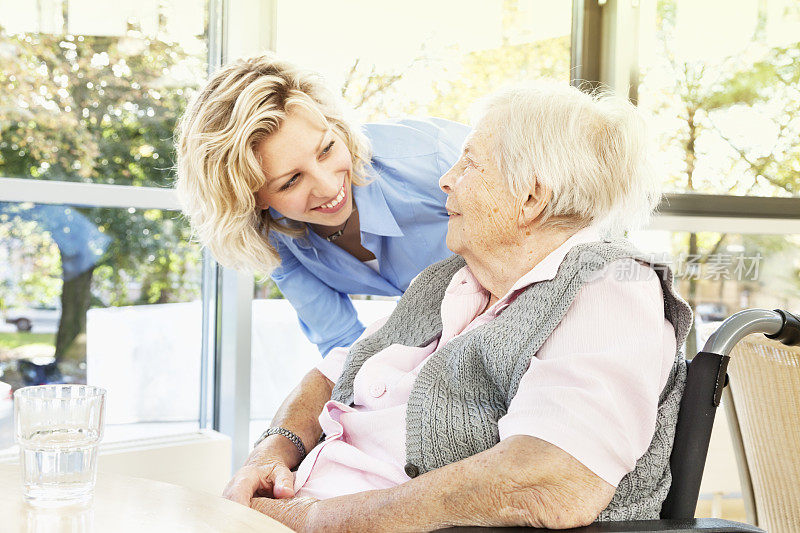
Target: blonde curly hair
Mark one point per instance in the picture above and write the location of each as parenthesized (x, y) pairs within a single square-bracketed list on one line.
[(218, 172)]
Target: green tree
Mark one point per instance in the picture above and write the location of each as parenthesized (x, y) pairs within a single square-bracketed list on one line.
[(103, 110), (33, 259)]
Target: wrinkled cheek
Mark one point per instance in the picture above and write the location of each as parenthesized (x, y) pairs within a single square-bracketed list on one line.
[(497, 228)]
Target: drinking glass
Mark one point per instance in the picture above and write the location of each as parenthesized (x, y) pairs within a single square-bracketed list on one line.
[(58, 428)]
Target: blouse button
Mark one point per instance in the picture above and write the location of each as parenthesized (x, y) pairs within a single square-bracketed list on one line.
[(377, 389)]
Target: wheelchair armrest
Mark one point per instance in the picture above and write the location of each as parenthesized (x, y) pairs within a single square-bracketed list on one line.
[(706, 525)]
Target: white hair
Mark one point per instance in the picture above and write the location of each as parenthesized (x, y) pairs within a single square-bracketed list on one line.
[(590, 150)]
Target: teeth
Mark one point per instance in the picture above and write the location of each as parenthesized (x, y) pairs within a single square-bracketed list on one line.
[(336, 200)]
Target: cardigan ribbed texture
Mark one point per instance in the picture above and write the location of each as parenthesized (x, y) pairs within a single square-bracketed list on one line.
[(465, 387)]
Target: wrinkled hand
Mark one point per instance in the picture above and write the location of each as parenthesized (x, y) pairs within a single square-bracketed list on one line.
[(298, 514), (272, 480), (266, 473)]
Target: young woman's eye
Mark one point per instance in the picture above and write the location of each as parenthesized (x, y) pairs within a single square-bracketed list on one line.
[(290, 182), (329, 147)]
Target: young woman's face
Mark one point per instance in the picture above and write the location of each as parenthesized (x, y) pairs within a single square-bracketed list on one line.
[(308, 171)]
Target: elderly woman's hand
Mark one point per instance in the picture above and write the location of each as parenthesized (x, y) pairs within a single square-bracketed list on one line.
[(297, 513), (266, 472)]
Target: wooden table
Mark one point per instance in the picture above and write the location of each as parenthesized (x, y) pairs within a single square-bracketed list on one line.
[(127, 504)]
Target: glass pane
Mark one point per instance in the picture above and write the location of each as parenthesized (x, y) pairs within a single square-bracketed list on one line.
[(722, 273), (91, 91), (723, 88), (109, 297), (387, 60), (281, 353)]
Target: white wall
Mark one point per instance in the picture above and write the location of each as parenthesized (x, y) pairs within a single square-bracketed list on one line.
[(148, 357)]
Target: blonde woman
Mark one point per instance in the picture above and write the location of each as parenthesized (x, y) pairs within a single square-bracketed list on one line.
[(275, 180)]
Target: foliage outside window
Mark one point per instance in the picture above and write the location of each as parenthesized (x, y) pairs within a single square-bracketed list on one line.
[(722, 87), (96, 107), (724, 97)]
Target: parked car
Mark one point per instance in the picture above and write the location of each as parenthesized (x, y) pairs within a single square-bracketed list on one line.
[(712, 311), (38, 318)]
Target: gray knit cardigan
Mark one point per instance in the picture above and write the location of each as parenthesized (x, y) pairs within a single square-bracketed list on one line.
[(465, 387)]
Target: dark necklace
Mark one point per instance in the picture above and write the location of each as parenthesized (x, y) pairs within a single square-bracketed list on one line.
[(336, 234)]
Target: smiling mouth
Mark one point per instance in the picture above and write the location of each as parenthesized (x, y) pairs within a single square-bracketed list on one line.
[(335, 204)]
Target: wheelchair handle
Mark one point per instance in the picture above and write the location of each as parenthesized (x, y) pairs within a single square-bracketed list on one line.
[(778, 324)]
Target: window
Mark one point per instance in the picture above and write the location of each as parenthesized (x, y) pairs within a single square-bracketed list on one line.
[(100, 282), (425, 58), (105, 296), (92, 91), (723, 104), (722, 89), (722, 273)]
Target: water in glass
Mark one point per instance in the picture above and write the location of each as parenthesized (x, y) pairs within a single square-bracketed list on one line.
[(59, 465), (58, 428)]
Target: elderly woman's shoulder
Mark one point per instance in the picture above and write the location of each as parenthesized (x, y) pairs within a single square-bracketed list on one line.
[(413, 136)]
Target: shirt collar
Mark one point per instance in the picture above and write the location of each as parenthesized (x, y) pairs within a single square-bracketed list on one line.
[(374, 215), (545, 270)]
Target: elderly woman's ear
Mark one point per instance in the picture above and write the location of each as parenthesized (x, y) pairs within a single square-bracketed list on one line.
[(534, 204)]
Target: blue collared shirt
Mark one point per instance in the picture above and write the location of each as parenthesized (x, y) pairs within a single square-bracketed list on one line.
[(403, 223)]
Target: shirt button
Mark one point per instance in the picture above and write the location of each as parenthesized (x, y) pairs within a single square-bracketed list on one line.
[(412, 470), (376, 390)]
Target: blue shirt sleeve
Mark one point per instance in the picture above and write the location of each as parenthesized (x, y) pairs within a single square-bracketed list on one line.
[(327, 317)]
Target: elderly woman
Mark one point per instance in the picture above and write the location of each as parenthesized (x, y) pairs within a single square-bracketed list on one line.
[(275, 179), (533, 379)]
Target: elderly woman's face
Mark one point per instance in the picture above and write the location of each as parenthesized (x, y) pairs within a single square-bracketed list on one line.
[(483, 212), (308, 170)]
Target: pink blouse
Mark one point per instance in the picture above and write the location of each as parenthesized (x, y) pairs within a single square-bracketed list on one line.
[(592, 389)]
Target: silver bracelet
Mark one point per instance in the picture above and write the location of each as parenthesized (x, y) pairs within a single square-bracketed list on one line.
[(286, 433)]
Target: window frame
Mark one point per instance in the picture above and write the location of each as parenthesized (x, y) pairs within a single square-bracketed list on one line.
[(225, 359), (603, 51), (605, 45)]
